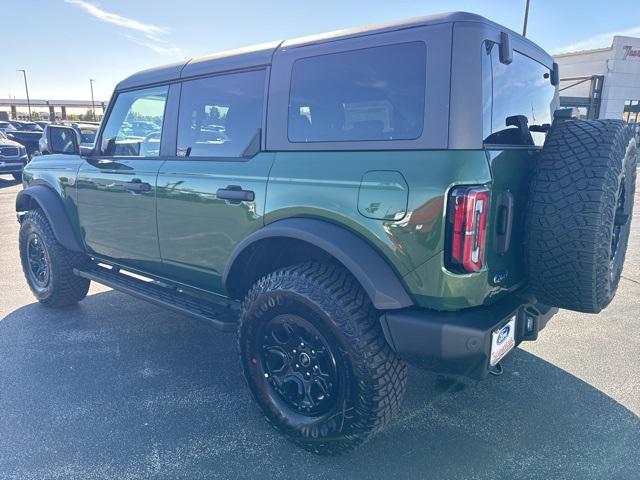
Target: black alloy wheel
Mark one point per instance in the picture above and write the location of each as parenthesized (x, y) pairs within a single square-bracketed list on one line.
[(38, 261), (47, 265), (299, 364), (316, 360)]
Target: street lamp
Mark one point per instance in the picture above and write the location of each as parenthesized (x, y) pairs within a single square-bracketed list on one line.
[(26, 87), (93, 103), (526, 19)]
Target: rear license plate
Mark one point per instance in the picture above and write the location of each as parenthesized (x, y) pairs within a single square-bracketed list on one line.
[(503, 340)]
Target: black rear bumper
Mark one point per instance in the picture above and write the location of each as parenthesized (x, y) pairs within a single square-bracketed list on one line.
[(459, 343)]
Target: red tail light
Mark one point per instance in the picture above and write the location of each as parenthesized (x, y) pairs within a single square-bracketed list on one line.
[(468, 209)]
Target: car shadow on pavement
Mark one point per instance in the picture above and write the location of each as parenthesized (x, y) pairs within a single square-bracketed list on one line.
[(117, 388)]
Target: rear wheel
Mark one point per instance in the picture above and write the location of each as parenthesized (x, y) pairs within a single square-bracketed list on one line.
[(315, 358), (580, 210), (47, 265)]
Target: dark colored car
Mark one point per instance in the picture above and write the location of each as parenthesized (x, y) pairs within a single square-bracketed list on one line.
[(25, 126), (6, 126), (86, 132), (348, 203), (13, 157), (27, 138)]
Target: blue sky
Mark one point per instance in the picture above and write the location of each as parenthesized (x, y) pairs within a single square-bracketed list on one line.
[(63, 43)]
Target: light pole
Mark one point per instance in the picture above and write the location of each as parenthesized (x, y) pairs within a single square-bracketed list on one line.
[(26, 87), (526, 19), (93, 103)]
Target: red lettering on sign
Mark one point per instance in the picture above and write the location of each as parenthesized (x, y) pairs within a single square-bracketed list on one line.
[(628, 51)]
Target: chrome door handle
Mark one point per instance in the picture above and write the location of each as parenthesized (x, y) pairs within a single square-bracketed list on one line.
[(235, 193), (137, 187)]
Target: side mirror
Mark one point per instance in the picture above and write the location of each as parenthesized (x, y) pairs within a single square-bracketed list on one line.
[(61, 139), (506, 52)]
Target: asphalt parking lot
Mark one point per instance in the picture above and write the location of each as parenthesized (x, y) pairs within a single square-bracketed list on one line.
[(117, 388)]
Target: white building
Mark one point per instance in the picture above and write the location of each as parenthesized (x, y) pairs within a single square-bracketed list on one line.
[(605, 82)]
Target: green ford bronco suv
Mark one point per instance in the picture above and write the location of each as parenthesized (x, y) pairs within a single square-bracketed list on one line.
[(349, 203)]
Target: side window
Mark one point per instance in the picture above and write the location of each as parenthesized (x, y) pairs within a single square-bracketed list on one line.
[(220, 116), (521, 88), (370, 94), (134, 125)]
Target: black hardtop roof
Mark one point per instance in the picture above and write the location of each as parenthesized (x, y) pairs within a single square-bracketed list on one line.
[(260, 55)]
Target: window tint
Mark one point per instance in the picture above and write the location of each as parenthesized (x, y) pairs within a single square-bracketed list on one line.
[(220, 116), (370, 94), (134, 125), (521, 88)]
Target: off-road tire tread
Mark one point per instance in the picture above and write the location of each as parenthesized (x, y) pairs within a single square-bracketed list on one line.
[(345, 302), (571, 210), (68, 288)]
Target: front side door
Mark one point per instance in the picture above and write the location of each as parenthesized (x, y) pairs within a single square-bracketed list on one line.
[(211, 195), (117, 185)]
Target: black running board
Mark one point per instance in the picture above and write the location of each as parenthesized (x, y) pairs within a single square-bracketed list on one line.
[(220, 316)]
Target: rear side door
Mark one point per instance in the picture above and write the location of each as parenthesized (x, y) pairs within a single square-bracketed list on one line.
[(211, 191), (117, 186)]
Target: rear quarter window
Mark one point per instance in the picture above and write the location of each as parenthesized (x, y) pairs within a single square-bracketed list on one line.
[(370, 94)]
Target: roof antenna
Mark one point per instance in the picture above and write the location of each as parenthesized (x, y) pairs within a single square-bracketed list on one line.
[(526, 19)]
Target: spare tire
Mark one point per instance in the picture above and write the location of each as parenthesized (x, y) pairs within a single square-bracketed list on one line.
[(579, 213)]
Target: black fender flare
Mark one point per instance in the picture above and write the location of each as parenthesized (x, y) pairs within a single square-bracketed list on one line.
[(377, 277), (51, 204)]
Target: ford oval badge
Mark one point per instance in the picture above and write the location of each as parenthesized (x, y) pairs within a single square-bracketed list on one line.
[(504, 333)]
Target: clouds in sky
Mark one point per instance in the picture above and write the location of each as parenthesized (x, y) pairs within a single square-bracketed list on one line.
[(600, 40), (144, 34)]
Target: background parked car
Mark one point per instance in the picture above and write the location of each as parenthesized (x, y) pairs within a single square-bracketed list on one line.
[(13, 157), (5, 126), (27, 138), (87, 133), (25, 126)]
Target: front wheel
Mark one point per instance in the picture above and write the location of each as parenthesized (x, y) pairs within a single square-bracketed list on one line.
[(316, 360), (47, 265)]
